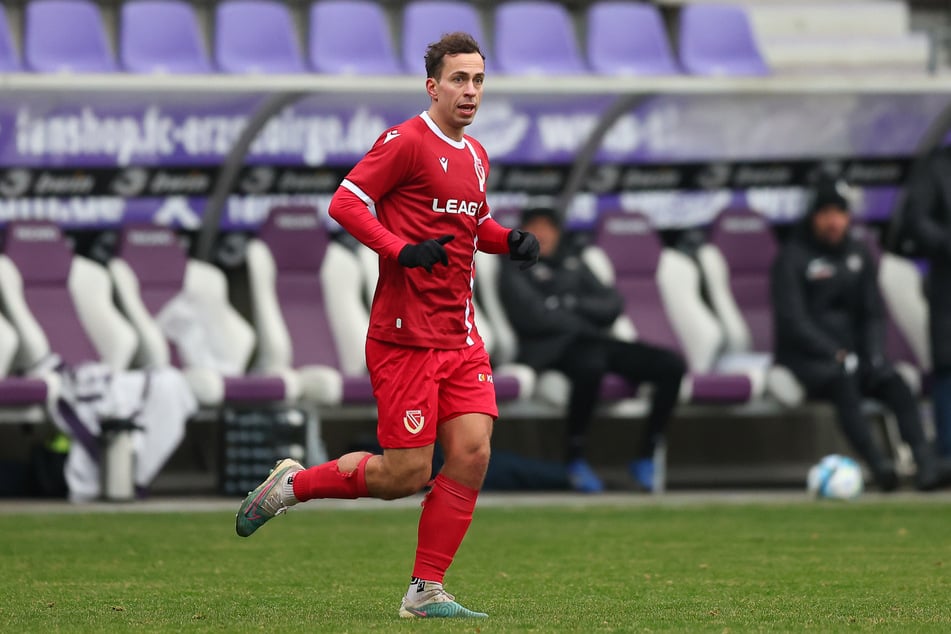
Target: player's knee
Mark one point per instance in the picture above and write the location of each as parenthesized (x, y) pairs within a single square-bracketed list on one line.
[(472, 458), (480, 458), (407, 479)]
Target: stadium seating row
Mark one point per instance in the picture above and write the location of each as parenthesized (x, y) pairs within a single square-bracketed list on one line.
[(534, 37), (715, 307), (309, 304)]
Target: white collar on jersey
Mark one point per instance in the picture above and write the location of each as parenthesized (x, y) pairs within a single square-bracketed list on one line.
[(459, 145)]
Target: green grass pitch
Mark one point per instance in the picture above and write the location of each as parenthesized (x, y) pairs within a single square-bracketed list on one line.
[(875, 565)]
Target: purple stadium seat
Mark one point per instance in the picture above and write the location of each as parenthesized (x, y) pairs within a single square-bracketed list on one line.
[(18, 392), (628, 38), (640, 263), (289, 265), (158, 261), (298, 244), (66, 35), (745, 248), (351, 37), (59, 303), (425, 21), (536, 38), (161, 36), (717, 39), (150, 269), (256, 36), (9, 62), (44, 259), (634, 250)]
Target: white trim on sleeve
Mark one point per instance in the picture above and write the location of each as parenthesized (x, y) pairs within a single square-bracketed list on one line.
[(359, 193)]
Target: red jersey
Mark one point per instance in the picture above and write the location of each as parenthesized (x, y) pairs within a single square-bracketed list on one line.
[(421, 184)]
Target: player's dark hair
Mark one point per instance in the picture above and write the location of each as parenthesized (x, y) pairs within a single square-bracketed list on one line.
[(449, 44)]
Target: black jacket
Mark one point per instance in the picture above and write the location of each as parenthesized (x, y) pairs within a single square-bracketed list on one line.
[(554, 303), (928, 213), (825, 300)]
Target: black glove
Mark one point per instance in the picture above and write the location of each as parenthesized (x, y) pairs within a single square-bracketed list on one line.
[(425, 254), (523, 246)]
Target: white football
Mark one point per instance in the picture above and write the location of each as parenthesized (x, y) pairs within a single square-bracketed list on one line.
[(836, 477)]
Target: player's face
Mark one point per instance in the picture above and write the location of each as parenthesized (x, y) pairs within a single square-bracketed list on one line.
[(457, 93), (831, 224)]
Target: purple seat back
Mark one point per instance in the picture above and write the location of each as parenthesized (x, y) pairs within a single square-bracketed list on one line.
[(66, 35), (256, 36), (716, 39), (44, 260), (161, 36), (536, 38), (425, 21), (9, 62), (634, 249), (298, 242), (749, 247), (158, 260), (351, 37), (628, 38)]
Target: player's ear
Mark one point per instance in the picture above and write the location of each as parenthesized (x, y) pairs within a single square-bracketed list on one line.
[(431, 87)]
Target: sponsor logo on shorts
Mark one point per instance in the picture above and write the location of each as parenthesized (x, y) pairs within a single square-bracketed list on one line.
[(413, 421), (485, 378)]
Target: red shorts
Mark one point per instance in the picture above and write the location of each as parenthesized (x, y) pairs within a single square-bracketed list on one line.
[(417, 389)]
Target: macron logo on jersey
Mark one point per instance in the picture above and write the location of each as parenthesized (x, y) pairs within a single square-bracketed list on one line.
[(392, 134), (455, 206)]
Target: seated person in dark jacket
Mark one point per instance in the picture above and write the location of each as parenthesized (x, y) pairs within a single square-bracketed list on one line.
[(830, 332), (562, 314)]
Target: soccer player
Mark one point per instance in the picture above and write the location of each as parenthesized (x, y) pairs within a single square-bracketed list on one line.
[(418, 199)]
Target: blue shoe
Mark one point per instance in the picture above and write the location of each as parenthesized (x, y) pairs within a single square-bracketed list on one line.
[(642, 471), (437, 603), (266, 501), (583, 478)]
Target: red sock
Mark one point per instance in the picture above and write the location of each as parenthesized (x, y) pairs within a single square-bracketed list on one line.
[(447, 513), (327, 481)]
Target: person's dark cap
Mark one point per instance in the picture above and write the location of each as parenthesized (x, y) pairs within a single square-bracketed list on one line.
[(830, 192), (533, 213)]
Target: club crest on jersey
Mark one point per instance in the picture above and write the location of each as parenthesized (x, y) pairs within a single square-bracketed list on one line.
[(456, 206), (485, 378), (480, 173), (413, 421)]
